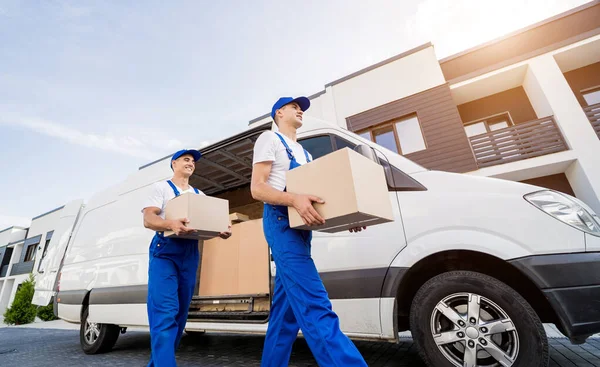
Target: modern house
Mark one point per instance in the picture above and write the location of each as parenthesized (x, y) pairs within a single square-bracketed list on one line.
[(525, 107), (21, 253)]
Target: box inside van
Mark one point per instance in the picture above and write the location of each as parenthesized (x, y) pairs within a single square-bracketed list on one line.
[(230, 268)]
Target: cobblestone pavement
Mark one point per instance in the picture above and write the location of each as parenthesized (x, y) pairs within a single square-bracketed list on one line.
[(49, 347)]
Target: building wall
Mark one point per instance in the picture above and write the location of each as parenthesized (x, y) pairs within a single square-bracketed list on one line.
[(584, 174), (401, 78), (514, 101), (12, 235), (448, 148), (40, 226), (583, 78), (43, 227), (536, 95)]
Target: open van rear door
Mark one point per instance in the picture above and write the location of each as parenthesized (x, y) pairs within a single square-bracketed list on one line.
[(47, 271)]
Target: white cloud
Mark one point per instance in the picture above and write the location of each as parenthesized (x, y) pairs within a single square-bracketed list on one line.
[(10, 221), (130, 141)]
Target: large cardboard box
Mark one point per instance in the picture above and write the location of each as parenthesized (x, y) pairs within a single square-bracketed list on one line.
[(208, 215), (353, 187), (238, 265)]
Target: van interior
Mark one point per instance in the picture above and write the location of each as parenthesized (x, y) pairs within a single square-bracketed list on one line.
[(234, 280)]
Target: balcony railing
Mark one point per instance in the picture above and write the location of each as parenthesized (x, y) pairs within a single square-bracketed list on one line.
[(3, 271), (593, 114), (527, 140), (22, 268)]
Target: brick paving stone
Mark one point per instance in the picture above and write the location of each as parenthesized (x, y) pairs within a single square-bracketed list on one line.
[(24, 347)]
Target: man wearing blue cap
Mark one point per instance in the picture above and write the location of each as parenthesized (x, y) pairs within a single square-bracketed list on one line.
[(300, 300), (173, 262)]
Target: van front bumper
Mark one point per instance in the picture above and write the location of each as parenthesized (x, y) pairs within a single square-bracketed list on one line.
[(571, 283)]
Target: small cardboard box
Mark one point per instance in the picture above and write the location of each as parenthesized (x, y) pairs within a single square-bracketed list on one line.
[(238, 265), (238, 217), (353, 187), (208, 215)]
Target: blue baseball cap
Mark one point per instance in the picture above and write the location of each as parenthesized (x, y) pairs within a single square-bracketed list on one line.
[(194, 153), (303, 102)]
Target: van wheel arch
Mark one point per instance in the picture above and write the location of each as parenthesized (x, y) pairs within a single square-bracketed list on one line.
[(84, 305), (96, 338), (435, 264)]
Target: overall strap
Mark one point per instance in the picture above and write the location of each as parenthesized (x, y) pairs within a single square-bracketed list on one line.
[(173, 187), (306, 154), (287, 147)]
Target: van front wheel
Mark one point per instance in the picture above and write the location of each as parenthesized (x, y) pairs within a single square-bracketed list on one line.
[(464, 318), (96, 338)]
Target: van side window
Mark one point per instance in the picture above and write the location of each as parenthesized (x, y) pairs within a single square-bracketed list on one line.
[(341, 143), (317, 146), (396, 179)]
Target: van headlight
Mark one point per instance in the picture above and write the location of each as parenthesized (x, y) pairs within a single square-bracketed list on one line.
[(567, 209)]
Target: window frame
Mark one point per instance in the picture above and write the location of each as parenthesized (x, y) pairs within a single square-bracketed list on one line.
[(393, 124), (318, 136), (32, 254), (486, 124), (44, 253), (588, 91)]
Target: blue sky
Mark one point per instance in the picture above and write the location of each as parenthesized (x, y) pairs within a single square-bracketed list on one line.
[(91, 90)]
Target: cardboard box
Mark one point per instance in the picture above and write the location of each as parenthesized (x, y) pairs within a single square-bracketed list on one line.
[(238, 217), (208, 215), (353, 187), (238, 265)]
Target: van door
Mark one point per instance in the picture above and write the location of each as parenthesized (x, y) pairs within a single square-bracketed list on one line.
[(45, 278), (353, 266)]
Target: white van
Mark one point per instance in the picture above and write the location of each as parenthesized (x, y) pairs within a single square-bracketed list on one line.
[(472, 266)]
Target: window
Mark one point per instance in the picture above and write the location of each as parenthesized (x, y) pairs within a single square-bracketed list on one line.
[(591, 96), (386, 138), (410, 135), (403, 136), (488, 124), (30, 254), (318, 146), (366, 135), (44, 252), (45, 248), (396, 179), (341, 143)]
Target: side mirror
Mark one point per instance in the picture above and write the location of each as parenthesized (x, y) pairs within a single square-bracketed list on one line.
[(367, 151)]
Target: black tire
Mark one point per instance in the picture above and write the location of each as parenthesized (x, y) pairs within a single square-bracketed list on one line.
[(106, 338), (526, 343)]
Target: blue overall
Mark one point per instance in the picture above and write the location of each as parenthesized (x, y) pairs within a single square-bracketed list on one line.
[(300, 300), (171, 281)]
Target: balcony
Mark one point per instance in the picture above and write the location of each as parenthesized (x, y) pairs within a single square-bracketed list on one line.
[(22, 268), (3, 271), (593, 114), (522, 141)]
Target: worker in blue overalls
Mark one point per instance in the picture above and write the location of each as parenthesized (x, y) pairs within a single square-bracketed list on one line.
[(173, 262), (300, 300)]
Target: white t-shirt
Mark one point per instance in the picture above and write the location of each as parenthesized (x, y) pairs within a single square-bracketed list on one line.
[(269, 148), (161, 193)]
